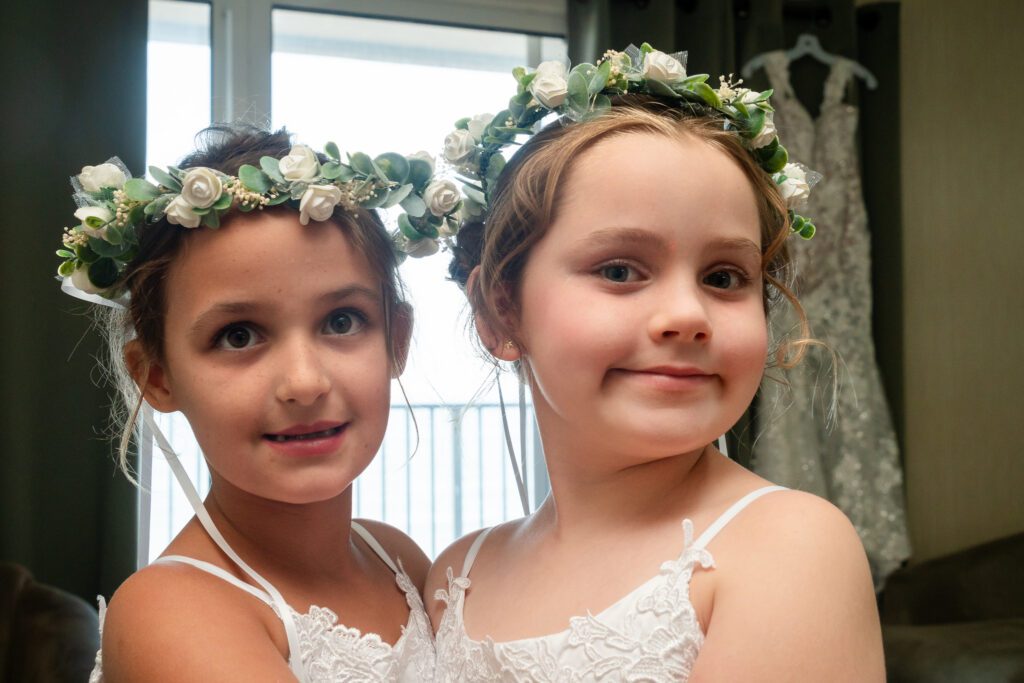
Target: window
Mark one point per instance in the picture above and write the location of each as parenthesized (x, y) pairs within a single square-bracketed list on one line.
[(374, 85)]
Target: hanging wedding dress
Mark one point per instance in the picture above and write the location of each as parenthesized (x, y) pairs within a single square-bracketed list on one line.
[(849, 457)]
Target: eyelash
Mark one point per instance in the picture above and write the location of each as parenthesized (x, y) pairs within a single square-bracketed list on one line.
[(741, 278), (358, 318)]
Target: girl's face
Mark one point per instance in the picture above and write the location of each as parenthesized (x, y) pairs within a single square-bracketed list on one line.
[(276, 352), (641, 311)]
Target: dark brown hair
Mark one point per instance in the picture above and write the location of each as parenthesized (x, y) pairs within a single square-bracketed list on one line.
[(223, 148), (525, 199)]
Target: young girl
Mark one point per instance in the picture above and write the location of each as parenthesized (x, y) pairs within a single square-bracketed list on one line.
[(625, 261), (277, 335)]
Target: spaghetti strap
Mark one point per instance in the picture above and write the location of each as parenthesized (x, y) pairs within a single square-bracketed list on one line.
[(219, 573), (374, 545), (733, 510), (473, 551)]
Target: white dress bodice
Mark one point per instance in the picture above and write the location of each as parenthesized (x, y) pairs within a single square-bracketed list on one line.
[(651, 634)]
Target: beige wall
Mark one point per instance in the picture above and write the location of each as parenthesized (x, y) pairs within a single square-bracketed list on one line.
[(962, 109)]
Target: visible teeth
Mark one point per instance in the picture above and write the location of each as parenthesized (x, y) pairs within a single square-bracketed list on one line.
[(303, 437)]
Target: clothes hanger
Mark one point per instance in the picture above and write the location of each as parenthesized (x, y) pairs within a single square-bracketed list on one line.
[(808, 45)]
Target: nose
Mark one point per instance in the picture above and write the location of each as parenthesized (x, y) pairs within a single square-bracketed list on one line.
[(680, 314), (302, 378)]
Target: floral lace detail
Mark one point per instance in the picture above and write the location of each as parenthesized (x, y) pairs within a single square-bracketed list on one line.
[(335, 653), (854, 462), (652, 635)]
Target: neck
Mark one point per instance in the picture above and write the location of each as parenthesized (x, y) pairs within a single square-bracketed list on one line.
[(594, 490), (310, 538)]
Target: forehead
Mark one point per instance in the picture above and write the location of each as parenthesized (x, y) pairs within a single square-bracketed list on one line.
[(265, 256), (653, 181)]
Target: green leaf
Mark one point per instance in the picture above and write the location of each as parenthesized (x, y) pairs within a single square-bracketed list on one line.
[(331, 170), (406, 227), (519, 73), (254, 179), (376, 200), (494, 168), (86, 254), (579, 98), (212, 219), (332, 151), (396, 196), (707, 94), (777, 161), (361, 164), (66, 269), (419, 173), (165, 179), (659, 88), (104, 249), (137, 214), (602, 103), (103, 273), (807, 232), (474, 194), (113, 235), (394, 166), (279, 199), (223, 202), (64, 253), (463, 123), (272, 167), (414, 205), (600, 78), (140, 190), (646, 49)]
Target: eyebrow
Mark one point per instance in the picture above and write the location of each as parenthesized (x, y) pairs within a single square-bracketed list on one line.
[(245, 308), (737, 244), (615, 236)]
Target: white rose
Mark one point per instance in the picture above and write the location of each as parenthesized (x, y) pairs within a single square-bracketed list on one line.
[(300, 164), (550, 85), (179, 212), (659, 66), (105, 175), (459, 146), (318, 203), (767, 133), (80, 279), (424, 156), (441, 196), (201, 188), (795, 189), (94, 220), (478, 124)]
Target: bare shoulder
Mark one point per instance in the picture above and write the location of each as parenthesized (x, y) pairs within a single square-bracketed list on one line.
[(793, 564), (451, 558), (210, 629), (401, 548)]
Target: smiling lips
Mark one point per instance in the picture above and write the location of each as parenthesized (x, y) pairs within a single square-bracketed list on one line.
[(672, 377), (319, 438)]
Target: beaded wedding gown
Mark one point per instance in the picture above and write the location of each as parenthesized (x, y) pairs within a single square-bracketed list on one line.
[(852, 459)]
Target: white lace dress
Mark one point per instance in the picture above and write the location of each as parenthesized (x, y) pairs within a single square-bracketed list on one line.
[(853, 459), (651, 635), (334, 653)]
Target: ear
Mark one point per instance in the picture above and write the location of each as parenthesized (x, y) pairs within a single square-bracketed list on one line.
[(150, 377), (401, 337), (494, 340)]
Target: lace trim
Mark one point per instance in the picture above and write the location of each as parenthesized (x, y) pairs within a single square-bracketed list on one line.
[(650, 634)]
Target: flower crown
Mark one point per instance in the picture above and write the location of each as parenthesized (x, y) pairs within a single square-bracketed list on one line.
[(113, 206), (474, 147)]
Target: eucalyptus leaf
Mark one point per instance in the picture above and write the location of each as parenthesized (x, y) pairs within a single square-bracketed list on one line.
[(414, 205), (113, 235), (361, 163), (494, 168), (272, 167), (406, 227), (394, 166), (103, 273), (86, 254), (212, 219), (396, 196), (419, 173), (602, 103), (279, 199), (165, 178), (254, 179), (659, 88), (463, 123), (104, 249), (376, 200), (332, 151), (755, 122), (137, 213), (578, 97), (600, 78), (331, 170), (475, 194), (223, 202), (140, 190)]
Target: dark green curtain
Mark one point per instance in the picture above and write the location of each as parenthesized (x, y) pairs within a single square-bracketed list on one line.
[(720, 36), (74, 88)]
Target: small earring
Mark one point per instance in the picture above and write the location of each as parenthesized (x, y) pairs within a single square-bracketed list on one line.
[(509, 345)]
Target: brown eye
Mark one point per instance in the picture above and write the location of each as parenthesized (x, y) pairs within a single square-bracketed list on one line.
[(343, 322), (237, 337)]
